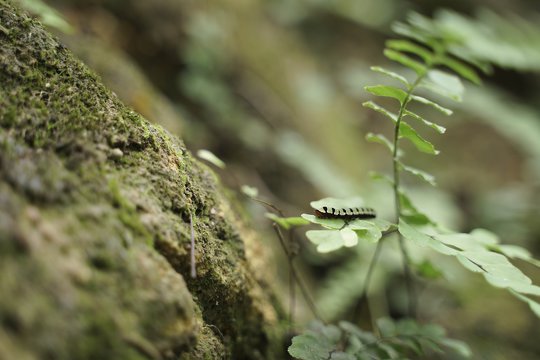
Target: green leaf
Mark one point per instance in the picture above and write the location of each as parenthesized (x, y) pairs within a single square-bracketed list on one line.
[(391, 74), (335, 224), (340, 355), (423, 240), (410, 47), (460, 68), (365, 230), (250, 191), (427, 270), (381, 110), (458, 346), (380, 139), (412, 33), (350, 238), (47, 15), (406, 131), (378, 176), (440, 129), (432, 104), (535, 306), (404, 60), (517, 252), (430, 179), (387, 91), (462, 241), (311, 346), (330, 240), (443, 84), (410, 213), (287, 222), (211, 158), (485, 237)]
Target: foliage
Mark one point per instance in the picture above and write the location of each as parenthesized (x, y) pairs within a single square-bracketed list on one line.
[(510, 42), (397, 340), (435, 56), (47, 15)]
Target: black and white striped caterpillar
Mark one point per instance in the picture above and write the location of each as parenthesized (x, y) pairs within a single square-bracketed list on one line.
[(345, 213)]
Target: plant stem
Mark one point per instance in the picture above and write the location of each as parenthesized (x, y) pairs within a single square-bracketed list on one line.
[(294, 274), (371, 267), (411, 291)]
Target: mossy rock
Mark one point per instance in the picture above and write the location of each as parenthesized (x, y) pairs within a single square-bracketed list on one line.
[(95, 208)]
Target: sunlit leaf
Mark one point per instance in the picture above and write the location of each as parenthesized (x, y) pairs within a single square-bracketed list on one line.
[(410, 47), (250, 191), (381, 110), (410, 213), (211, 158), (404, 60), (375, 175), (350, 238), (458, 346), (47, 15), (485, 237), (517, 252), (440, 129), (326, 240), (406, 131), (391, 74), (387, 91), (310, 346), (380, 139), (421, 239), (432, 104), (461, 69), (535, 306), (430, 179), (443, 84), (412, 33)]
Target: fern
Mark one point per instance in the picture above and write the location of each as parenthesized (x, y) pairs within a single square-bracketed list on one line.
[(396, 340), (438, 63), (430, 53)]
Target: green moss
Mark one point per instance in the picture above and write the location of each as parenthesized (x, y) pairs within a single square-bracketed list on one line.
[(86, 187)]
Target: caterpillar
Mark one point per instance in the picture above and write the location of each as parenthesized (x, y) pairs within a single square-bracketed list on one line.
[(345, 213)]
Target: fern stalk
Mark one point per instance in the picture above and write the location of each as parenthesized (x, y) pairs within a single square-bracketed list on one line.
[(411, 291)]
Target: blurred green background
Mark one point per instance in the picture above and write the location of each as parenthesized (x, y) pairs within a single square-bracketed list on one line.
[(274, 88)]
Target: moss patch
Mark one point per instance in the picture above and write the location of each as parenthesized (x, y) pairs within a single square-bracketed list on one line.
[(94, 224)]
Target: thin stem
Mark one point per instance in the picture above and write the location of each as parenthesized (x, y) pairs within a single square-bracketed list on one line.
[(395, 162), (294, 274), (367, 279)]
